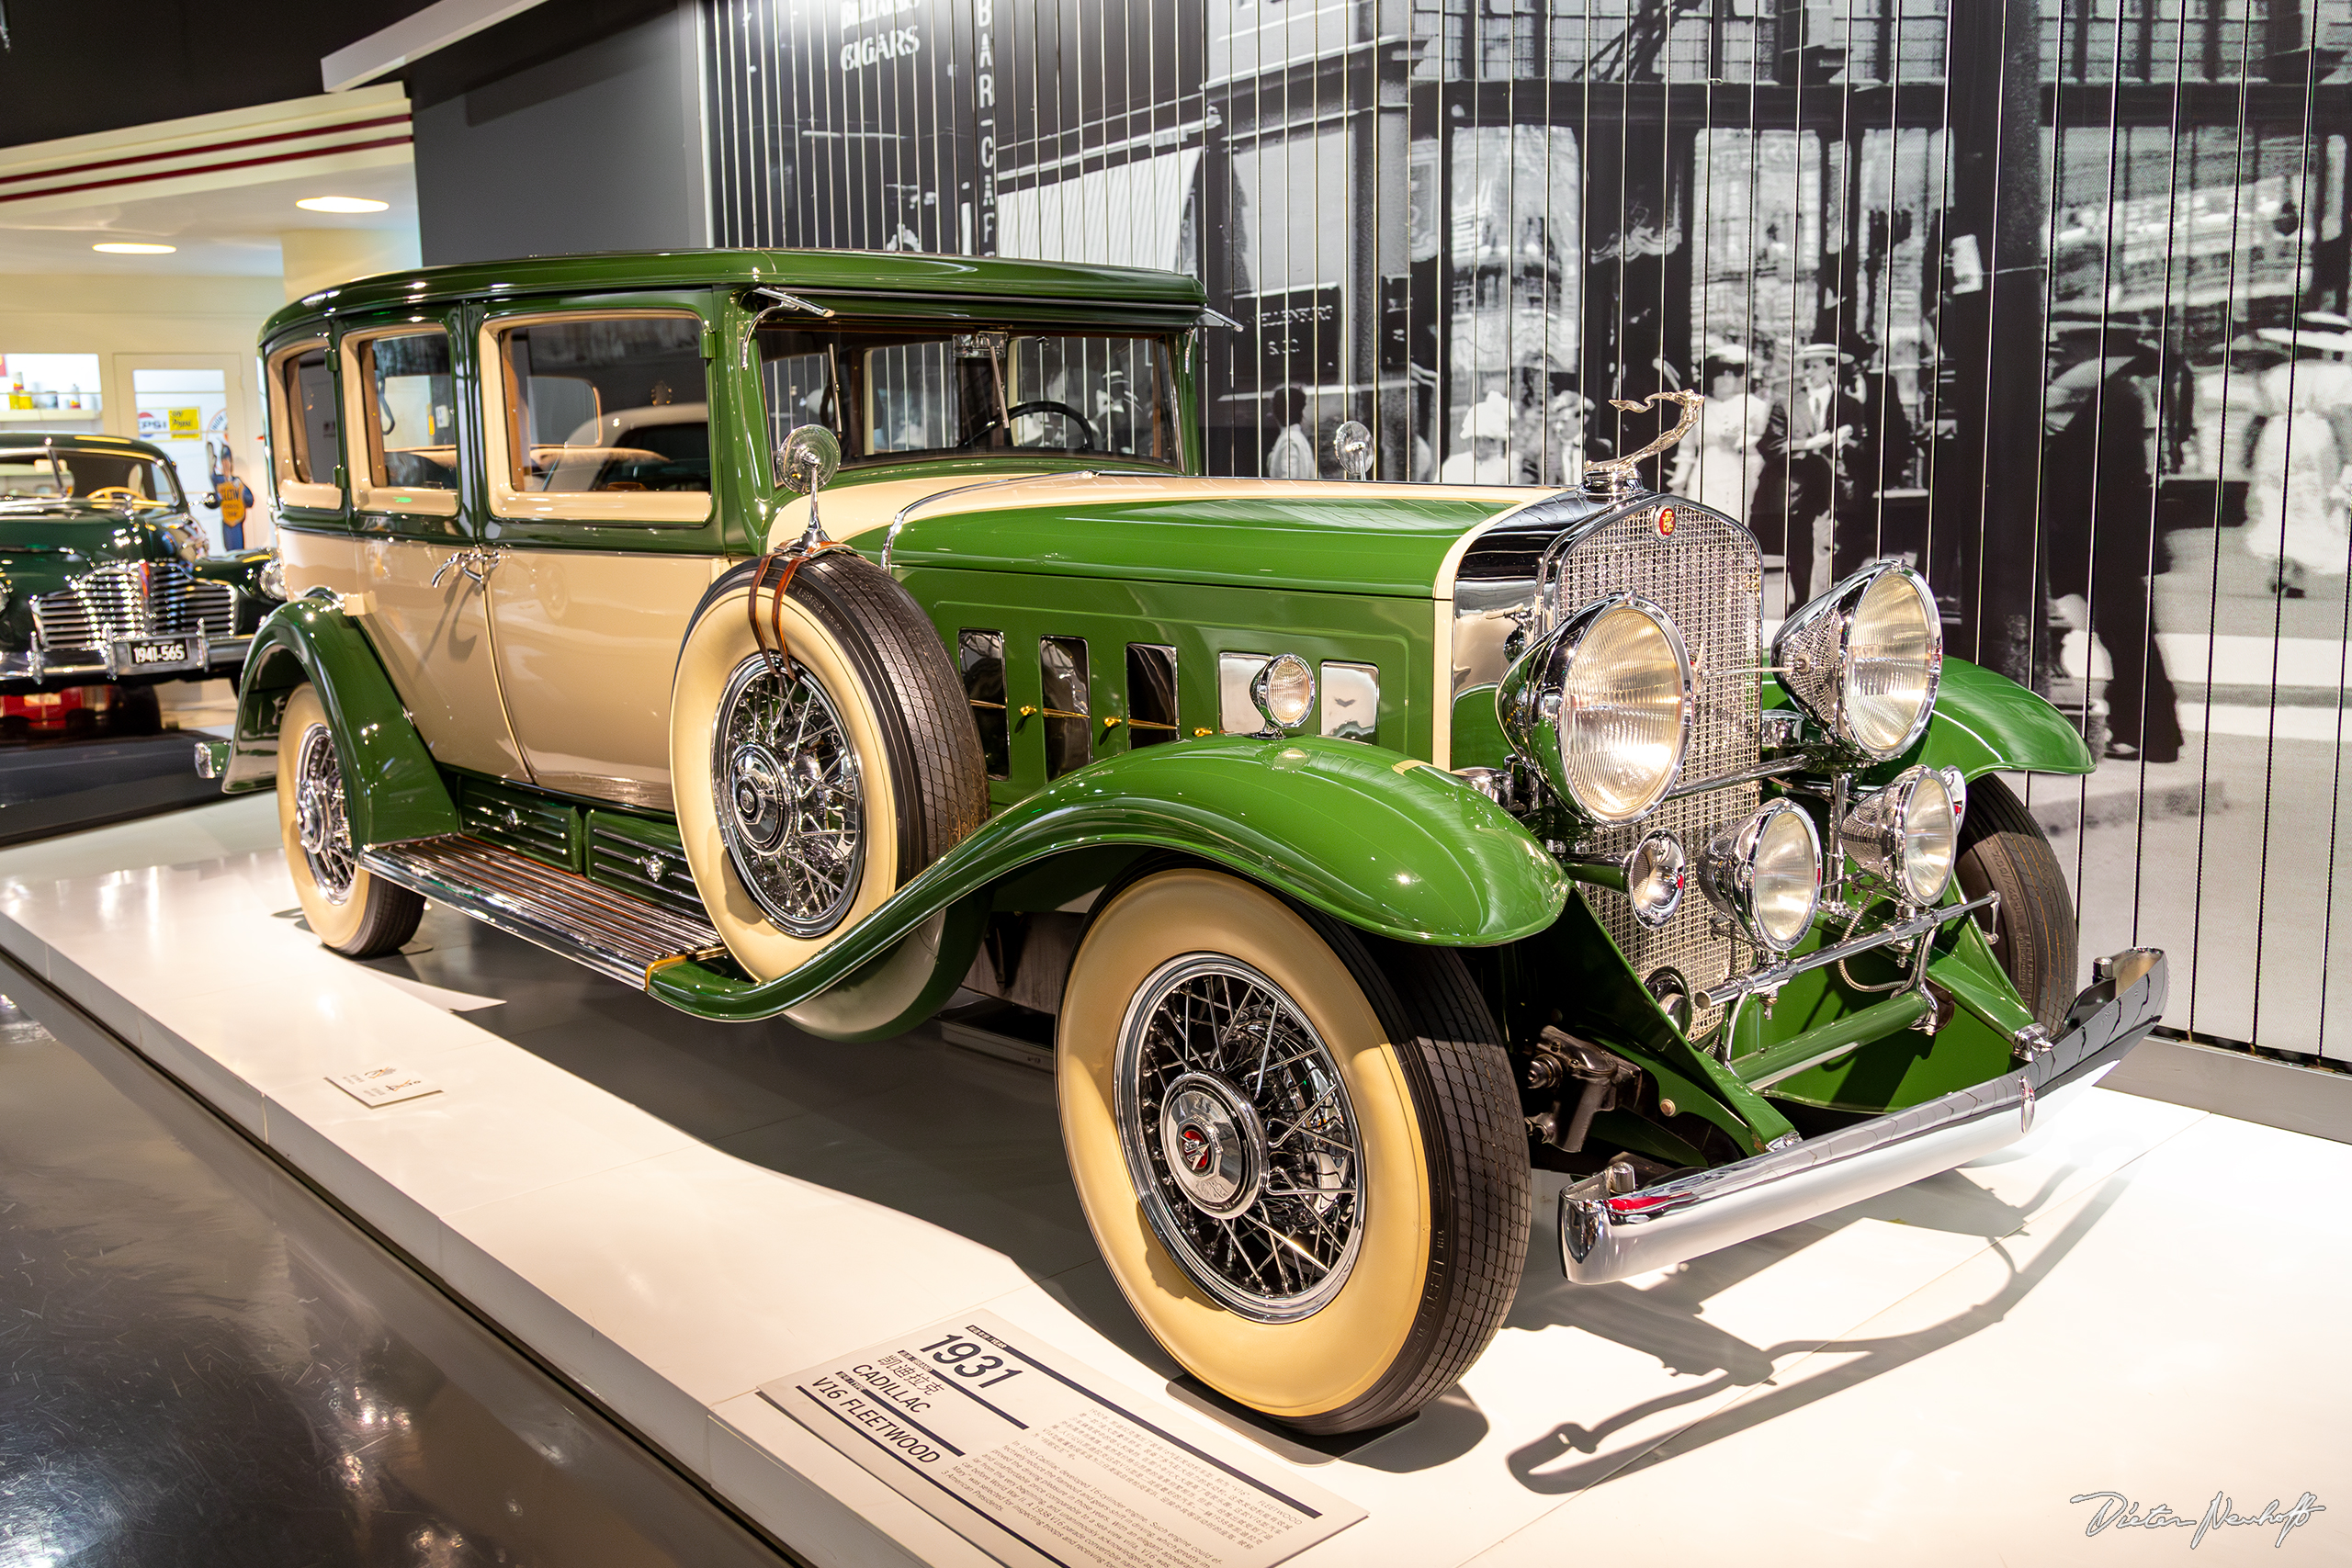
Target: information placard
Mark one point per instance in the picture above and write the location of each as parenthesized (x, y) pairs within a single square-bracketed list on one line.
[(383, 1086), (1038, 1458)]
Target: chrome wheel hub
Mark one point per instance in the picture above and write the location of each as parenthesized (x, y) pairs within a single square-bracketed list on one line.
[(1240, 1137), (322, 825), (1214, 1144), (790, 797)]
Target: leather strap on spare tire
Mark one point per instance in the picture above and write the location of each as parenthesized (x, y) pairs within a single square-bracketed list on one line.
[(862, 639)]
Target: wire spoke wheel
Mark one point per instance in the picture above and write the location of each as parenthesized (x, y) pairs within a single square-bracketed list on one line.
[(1240, 1138), (790, 801), (322, 822)]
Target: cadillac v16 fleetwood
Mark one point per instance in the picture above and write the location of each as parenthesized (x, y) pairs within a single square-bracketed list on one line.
[(814, 635)]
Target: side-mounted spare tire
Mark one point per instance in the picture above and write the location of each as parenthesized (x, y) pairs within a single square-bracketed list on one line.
[(810, 788)]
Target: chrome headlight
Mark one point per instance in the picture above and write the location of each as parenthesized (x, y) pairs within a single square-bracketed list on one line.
[(1766, 873), (1909, 833), (1600, 707), (271, 579), (1863, 659)]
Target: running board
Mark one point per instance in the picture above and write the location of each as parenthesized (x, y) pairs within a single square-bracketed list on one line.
[(611, 932)]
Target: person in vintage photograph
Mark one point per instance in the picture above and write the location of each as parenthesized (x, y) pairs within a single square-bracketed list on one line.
[(1719, 462), (2098, 516), (2299, 494), (1803, 446), (1485, 456), (1292, 456)]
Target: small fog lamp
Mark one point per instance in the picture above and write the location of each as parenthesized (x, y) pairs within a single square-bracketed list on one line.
[(1283, 693), (1655, 875), (1766, 873), (1909, 833)]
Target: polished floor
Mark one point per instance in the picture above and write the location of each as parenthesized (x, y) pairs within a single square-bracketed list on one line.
[(2140, 1297), (202, 1363)]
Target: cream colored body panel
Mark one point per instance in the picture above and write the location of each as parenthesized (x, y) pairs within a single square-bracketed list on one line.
[(587, 644), (850, 510), (435, 642)]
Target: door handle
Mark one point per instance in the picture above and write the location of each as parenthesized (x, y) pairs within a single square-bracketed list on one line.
[(476, 561)]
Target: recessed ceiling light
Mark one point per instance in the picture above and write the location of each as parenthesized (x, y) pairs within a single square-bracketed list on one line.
[(125, 248), (341, 204)]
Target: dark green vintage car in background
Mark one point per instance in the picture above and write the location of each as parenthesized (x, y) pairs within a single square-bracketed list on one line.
[(104, 579), (823, 635)]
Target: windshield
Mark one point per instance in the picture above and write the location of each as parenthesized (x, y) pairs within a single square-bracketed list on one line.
[(103, 479), (911, 392)]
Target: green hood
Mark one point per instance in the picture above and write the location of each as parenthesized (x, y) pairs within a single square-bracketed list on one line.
[(1359, 538), (38, 552)]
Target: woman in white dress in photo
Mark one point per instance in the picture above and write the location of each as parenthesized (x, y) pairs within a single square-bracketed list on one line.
[(2298, 504), (1717, 464)]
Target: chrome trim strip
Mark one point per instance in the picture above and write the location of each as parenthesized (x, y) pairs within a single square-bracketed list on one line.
[(608, 930), (1606, 1235), (1767, 769), (1773, 976)]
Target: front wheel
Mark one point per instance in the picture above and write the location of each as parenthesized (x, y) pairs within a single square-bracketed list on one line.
[(2003, 850), (1305, 1164), (355, 914)]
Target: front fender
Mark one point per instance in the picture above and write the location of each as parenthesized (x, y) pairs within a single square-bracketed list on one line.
[(392, 790), (1983, 723), (1383, 842)]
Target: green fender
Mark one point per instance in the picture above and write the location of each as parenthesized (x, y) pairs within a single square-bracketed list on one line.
[(392, 790), (1983, 723), (1380, 840)]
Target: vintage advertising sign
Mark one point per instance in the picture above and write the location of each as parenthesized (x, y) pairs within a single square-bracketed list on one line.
[(1037, 1459)]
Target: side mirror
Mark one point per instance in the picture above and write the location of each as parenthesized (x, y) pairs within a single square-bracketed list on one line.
[(1351, 445), (808, 460)]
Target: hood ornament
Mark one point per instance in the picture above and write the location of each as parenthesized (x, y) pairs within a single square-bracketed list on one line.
[(1621, 476)]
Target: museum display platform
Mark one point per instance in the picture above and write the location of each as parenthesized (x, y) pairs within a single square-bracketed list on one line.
[(2140, 1298)]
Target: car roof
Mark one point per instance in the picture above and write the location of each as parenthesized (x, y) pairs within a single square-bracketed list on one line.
[(871, 278), (122, 446)]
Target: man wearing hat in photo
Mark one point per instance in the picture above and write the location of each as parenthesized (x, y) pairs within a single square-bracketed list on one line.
[(1485, 427), (1799, 490), (2099, 510)]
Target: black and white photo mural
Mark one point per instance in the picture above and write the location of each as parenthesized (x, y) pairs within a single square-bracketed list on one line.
[(2048, 295)]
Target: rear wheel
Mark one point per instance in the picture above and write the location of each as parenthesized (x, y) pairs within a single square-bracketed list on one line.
[(355, 914), (2003, 850), (1300, 1152)]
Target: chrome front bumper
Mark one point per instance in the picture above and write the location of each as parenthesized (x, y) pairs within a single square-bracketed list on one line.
[(1610, 1236), (115, 661)]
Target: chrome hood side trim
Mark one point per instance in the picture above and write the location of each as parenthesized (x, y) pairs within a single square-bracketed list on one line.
[(1606, 1236)]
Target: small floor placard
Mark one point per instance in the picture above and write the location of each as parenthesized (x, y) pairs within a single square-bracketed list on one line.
[(1038, 1458), (383, 1086)]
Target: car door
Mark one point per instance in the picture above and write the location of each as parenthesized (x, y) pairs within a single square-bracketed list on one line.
[(418, 550), (602, 501)]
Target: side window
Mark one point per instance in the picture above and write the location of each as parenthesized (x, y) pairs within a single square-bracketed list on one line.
[(1069, 724), (603, 417), (981, 655), (407, 396), (1151, 695), (306, 424)]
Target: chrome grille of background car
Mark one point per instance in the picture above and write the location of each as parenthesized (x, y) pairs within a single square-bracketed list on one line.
[(1707, 577), (113, 601)]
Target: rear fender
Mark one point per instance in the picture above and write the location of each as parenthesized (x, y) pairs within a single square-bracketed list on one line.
[(1379, 840), (393, 791)]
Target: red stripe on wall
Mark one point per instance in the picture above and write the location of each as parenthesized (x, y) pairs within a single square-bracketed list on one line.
[(208, 168), (203, 150)]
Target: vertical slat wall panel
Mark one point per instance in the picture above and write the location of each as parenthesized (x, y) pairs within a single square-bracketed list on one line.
[(1470, 223)]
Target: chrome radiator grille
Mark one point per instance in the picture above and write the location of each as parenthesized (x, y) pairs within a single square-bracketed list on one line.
[(134, 599), (1707, 577)]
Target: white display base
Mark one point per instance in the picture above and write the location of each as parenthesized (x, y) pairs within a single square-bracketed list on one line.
[(2139, 1298)]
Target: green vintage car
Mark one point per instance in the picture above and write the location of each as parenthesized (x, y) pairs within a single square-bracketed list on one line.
[(824, 634), (104, 575)]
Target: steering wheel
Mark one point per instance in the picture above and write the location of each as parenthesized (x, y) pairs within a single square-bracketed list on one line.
[(1039, 405), (113, 492), (1047, 405)]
